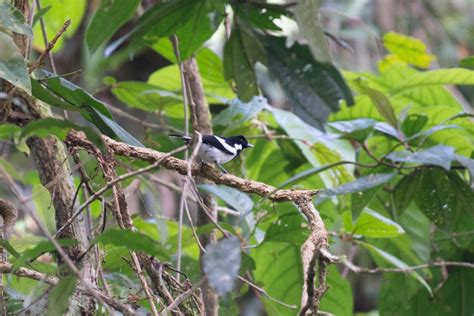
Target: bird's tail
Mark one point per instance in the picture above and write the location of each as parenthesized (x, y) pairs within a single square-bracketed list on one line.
[(186, 139)]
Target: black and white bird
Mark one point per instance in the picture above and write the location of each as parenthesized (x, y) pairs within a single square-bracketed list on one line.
[(219, 150)]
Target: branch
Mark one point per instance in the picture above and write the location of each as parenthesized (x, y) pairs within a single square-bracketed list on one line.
[(314, 251), (50, 46), (378, 270)]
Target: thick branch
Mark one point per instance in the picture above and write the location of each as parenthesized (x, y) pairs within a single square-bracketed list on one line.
[(205, 171)]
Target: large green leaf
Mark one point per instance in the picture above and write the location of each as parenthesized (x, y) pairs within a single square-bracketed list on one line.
[(382, 104), (438, 155), (456, 76), (168, 78), (13, 20), (144, 96), (65, 94), (58, 299), (358, 130), (133, 241), (318, 150), (107, 20), (40, 248), (313, 89), (361, 184), (279, 272), (197, 29), (60, 128), (239, 112), (372, 224), (288, 228), (453, 298), (306, 14), (241, 52), (435, 198), (338, 299), (238, 200), (408, 49), (12, 65), (261, 15), (405, 191), (394, 262)]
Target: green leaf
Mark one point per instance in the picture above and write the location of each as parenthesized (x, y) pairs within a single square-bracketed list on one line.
[(261, 15), (358, 130), (8, 131), (439, 155), (8, 247), (463, 192), (338, 299), (313, 89), (221, 263), (466, 162), (41, 248), (393, 300), (237, 200), (279, 272), (143, 96), (241, 52), (60, 12), (60, 128), (318, 150), (435, 198), (239, 112), (395, 262), (361, 184), (288, 228), (413, 124), (109, 127), (408, 49), (12, 65), (171, 15), (13, 20), (197, 29), (453, 298), (40, 14), (381, 103), (372, 224), (58, 299), (168, 78), (107, 20), (134, 241), (306, 14), (405, 191), (455, 76), (467, 62)]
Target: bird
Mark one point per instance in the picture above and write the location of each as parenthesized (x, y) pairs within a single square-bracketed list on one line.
[(218, 150)]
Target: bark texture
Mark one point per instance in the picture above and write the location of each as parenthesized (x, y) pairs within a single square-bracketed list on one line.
[(201, 121)]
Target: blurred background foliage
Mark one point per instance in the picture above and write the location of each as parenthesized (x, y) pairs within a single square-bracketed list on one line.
[(394, 157)]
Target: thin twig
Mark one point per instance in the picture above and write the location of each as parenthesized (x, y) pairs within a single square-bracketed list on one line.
[(263, 292), (378, 270), (49, 46)]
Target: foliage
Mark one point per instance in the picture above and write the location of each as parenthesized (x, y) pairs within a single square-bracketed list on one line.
[(391, 151)]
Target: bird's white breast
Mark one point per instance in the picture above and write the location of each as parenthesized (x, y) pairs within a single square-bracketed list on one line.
[(210, 154)]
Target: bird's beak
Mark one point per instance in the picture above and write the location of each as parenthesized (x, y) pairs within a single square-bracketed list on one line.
[(249, 145)]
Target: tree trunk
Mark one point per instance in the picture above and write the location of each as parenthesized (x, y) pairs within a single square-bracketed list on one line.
[(51, 159), (201, 121)]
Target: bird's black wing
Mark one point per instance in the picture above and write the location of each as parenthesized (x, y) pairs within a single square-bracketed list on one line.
[(211, 140)]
